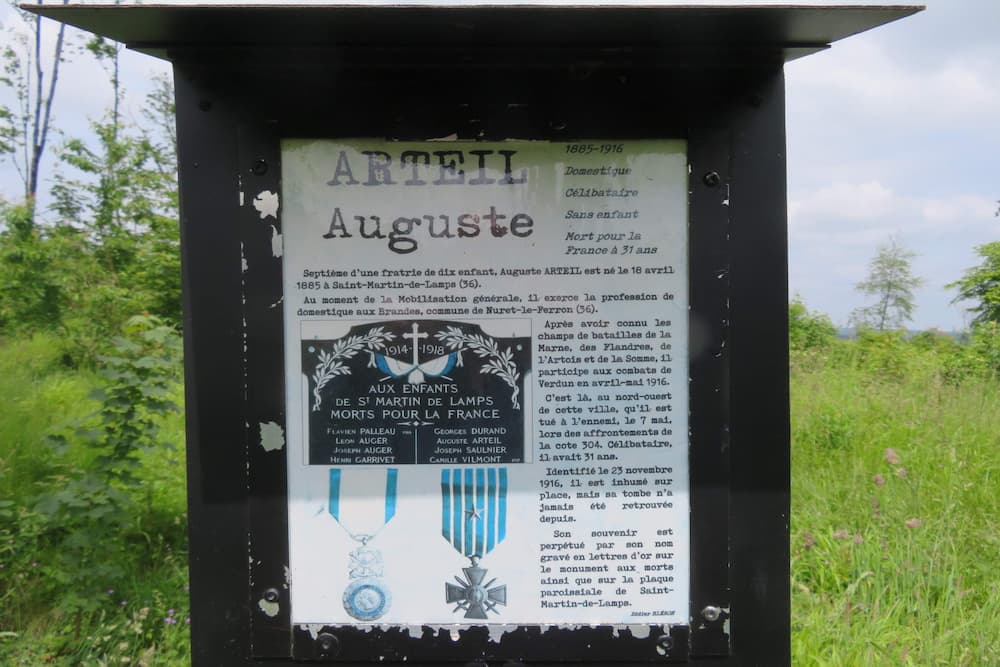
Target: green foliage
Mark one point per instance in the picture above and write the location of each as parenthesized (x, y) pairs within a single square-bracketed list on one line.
[(93, 529), (112, 252), (984, 348), (93, 554), (808, 330), (891, 282), (31, 297), (93, 504), (981, 284), (15, 80), (893, 525), (124, 200), (883, 354), (932, 356)]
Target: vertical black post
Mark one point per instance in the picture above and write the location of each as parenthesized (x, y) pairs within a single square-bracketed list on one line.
[(759, 376), (216, 448)]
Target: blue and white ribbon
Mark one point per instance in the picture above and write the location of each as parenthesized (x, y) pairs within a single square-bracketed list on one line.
[(391, 475), (474, 509)]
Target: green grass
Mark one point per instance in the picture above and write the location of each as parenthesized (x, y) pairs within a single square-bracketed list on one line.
[(895, 517), (143, 617)]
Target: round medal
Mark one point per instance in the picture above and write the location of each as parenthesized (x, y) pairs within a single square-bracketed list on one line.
[(367, 599)]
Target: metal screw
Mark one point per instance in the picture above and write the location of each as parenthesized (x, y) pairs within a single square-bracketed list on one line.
[(711, 614), (328, 644), (711, 179), (259, 167), (271, 595)]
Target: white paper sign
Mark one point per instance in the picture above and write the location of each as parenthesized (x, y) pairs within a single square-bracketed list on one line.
[(486, 355)]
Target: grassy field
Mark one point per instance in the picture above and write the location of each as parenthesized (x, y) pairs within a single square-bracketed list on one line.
[(141, 618), (895, 535), (895, 515)]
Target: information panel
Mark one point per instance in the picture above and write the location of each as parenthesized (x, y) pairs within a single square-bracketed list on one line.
[(486, 353)]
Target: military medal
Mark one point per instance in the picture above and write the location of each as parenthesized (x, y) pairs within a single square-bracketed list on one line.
[(474, 521), (366, 597)]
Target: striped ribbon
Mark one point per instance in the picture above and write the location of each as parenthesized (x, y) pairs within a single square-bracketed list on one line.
[(474, 509), (390, 494)]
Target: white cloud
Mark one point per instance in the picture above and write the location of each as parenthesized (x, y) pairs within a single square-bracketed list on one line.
[(877, 205), (863, 79), (834, 230), (856, 202), (960, 210)]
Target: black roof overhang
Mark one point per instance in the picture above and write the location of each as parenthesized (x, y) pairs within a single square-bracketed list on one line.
[(710, 32)]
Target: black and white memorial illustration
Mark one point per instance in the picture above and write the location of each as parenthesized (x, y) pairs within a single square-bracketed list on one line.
[(417, 391)]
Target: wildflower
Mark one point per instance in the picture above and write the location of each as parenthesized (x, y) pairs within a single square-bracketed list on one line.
[(879, 480), (891, 457), (858, 539), (170, 620), (34, 563), (842, 534), (111, 591), (122, 603), (187, 620), (901, 472), (808, 540), (170, 612), (913, 523)]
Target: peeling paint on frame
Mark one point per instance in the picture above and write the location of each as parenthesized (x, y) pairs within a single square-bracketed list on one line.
[(277, 244), (272, 436), (270, 609), (266, 203)]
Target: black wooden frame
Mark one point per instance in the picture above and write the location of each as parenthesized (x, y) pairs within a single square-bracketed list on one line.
[(233, 108)]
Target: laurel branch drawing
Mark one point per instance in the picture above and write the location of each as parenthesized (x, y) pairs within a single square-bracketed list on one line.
[(500, 363), (331, 363)]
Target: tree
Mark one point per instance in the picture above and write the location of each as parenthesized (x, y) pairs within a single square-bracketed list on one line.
[(117, 192), (981, 284), (109, 247), (24, 129), (891, 282)]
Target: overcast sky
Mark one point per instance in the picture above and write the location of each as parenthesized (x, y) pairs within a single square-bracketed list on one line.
[(894, 132)]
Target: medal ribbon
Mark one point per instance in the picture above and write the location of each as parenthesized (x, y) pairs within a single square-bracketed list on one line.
[(391, 475), (474, 509)]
